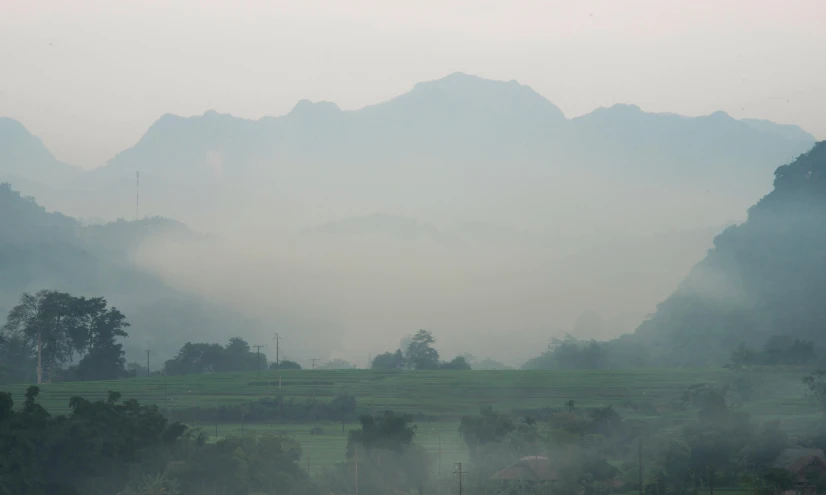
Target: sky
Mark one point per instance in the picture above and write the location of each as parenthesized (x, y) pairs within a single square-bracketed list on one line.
[(90, 76)]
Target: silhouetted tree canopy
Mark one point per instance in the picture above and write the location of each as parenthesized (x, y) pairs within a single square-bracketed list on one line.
[(53, 328), (389, 361), (420, 353), (214, 358), (285, 364)]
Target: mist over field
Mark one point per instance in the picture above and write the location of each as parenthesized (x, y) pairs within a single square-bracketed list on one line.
[(433, 247), (468, 207)]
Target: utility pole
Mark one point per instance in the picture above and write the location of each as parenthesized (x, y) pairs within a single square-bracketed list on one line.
[(258, 357), (439, 476), (710, 480), (147, 362), (277, 339), (459, 472), (357, 469), (313, 360), (640, 465)]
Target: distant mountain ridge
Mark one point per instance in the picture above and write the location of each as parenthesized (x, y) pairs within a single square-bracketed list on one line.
[(23, 155), (457, 106), (467, 141)]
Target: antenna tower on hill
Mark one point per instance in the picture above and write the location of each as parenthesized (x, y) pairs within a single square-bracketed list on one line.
[(137, 195)]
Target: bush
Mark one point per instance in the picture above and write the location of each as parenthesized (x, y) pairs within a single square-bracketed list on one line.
[(285, 364)]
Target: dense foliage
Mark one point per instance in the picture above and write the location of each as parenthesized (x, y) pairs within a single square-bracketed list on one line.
[(285, 364), (570, 353), (419, 355), (778, 350), (91, 449), (215, 358), (387, 458), (47, 329), (109, 446)]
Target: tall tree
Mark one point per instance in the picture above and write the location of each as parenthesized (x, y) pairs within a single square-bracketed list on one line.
[(420, 352), (43, 320), (54, 326)]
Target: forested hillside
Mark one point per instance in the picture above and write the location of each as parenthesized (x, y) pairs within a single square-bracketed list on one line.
[(42, 250), (764, 277)]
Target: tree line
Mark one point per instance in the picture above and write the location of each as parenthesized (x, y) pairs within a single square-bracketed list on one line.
[(113, 446), (419, 355), (55, 336)]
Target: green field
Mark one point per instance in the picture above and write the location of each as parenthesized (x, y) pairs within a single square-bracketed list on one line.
[(443, 396)]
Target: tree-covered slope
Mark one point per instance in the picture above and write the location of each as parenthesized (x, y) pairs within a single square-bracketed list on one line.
[(764, 277), (43, 250)]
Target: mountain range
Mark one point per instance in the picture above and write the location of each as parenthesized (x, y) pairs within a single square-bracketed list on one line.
[(488, 197), (459, 148)]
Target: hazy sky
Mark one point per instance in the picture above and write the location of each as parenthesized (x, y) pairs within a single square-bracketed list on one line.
[(89, 76)]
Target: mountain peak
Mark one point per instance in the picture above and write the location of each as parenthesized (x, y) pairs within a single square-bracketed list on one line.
[(720, 115), (455, 78), (461, 82), (22, 154), (307, 107), (491, 97), (624, 109)]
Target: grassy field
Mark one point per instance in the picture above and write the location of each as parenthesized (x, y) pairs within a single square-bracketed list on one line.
[(443, 395), (446, 394)]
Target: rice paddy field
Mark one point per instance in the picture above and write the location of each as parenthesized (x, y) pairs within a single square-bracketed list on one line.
[(441, 397)]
